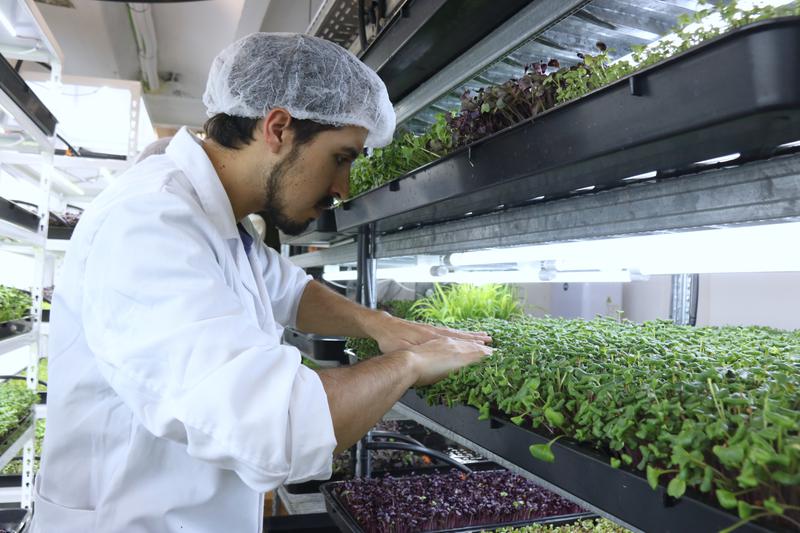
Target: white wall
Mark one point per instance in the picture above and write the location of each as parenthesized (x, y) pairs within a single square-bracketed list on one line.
[(647, 300), (750, 299), (763, 299)]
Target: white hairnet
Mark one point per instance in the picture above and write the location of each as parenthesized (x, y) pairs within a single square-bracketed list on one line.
[(310, 77)]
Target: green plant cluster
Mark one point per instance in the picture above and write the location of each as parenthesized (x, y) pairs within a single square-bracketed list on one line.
[(497, 107), (14, 304), (15, 466), (459, 301), (406, 153), (597, 71), (712, 409), (599, 525), (398, 308), (15, 406)]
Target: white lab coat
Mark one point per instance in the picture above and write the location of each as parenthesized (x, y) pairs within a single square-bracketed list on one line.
[(172, 404)]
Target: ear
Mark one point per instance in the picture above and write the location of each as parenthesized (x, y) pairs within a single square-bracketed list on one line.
[(274, 127)]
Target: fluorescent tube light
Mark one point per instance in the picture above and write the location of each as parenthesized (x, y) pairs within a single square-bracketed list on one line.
[(7, 24), (761, 248), (422, 275), (646, 175), (718, 160)]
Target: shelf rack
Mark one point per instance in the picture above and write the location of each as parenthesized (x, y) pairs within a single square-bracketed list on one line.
[(25, 115), (458, 204)]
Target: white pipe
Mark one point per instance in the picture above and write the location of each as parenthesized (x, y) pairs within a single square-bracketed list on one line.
[(145, 34)]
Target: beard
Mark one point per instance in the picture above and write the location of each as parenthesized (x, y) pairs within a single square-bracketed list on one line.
[(274, 204)]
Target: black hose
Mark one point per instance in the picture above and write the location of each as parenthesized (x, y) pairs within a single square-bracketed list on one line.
[(420, 450), (43, 383)]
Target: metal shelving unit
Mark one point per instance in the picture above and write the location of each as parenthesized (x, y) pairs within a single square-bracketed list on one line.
[(457, 204), (24, 115)]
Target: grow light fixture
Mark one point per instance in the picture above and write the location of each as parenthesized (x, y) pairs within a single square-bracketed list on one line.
[(7, 24), (644, 176), (720, 159), (482, 277), (795, 144), (759, 248)]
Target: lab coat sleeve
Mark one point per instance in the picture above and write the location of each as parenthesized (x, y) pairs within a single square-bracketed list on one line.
[(285, 283), (178, 346)]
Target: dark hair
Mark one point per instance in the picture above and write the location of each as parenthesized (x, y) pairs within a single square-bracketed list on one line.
[(235, 132)]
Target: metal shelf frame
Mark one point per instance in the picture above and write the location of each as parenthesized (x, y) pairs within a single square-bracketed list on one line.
[(12, 451), (10, 344), (36, 241), (760, 191)]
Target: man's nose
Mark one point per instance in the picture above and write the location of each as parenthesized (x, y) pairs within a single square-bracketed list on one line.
[(341, 188)]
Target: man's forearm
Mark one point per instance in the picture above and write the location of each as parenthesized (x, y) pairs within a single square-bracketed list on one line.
[(359, 395), (324, 312)]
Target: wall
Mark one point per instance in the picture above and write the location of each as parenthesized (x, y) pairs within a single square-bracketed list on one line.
[(750, 299), (647, 300), (764, 299)]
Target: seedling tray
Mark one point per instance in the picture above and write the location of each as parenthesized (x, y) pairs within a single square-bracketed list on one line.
[(20, 216), (735, 93), (60, 232), (312, 487), (311, 523), (321, 231), (584, 473), (15, 327), (12, 437), (14, 520), (317, 347), (347, 523)]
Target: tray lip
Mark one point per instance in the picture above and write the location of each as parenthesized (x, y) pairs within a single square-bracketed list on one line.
[(12, 436), (586, 453), (739, 33), (338, 511), (24, 322)]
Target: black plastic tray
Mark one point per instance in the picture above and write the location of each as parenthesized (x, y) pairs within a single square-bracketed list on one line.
[(20, 216), (425, 35), (14, 519), (584, 473), (312, 523), (12, 328), (15, 87), (736, 93), (313, 486), (60, 232), (12, 437), (316, 346), (347, 524)]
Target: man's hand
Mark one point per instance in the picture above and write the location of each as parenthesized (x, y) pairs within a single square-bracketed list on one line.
[(436, 359), (393, 334)]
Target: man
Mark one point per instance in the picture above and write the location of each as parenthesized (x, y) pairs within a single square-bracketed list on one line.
[(173, 405)]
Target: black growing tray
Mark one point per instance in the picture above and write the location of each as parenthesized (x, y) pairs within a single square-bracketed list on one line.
[(347, 524), (12, 437), (314, 486), (735, 93), (60, 232), (18, 90), (13, 328), (20, 216), (14, 519), (316, 346), (321, 230), (583, 473)]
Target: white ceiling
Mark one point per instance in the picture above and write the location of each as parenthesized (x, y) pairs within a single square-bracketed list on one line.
[(97, 40)]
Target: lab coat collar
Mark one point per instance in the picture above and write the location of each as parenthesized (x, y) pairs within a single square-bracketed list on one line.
[(188, 155)]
